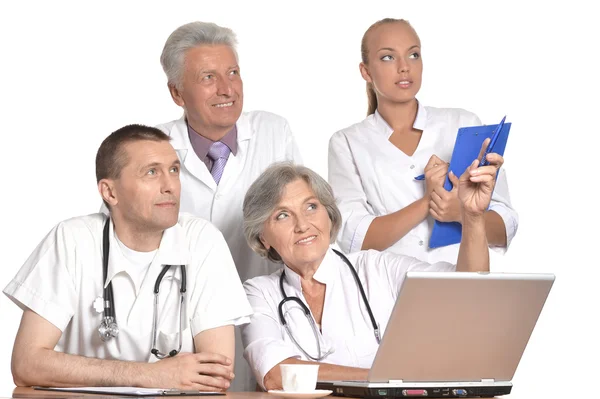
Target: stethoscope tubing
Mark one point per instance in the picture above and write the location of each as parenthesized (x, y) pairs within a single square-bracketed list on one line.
[(308, 315), (109, 321)]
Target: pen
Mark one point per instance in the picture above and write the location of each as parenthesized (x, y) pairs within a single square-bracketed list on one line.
[(421, 177), (492, 143)]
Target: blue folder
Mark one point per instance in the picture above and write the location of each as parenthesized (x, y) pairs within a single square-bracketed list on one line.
[(466, 149)]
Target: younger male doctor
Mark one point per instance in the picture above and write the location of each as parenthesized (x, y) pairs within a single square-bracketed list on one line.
[(61, 287), (222, 150)]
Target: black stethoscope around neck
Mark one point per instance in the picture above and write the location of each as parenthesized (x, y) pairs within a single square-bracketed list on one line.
[(308, 315), (109, 329)]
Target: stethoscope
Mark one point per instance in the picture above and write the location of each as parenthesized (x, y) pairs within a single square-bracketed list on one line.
[(108, 327), (308, 315)]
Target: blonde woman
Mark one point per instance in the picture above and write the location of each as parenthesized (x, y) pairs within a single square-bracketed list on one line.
[(372, 164)]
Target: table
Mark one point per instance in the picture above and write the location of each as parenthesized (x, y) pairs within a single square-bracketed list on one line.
[(30, 393)]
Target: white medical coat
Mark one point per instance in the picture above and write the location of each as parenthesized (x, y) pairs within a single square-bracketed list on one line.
[(62, 279), (371, 177), (263, 138), (345, 325)]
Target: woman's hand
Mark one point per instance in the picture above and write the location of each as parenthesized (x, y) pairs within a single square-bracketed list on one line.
[(444, 205), (476, 185), (435, 174)]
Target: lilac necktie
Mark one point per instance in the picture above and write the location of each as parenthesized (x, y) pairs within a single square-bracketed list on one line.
[(219, 153)]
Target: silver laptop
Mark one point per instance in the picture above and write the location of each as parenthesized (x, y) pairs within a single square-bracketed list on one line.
[(453, 335)]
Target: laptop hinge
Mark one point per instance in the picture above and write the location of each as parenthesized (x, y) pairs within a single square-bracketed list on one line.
[(395, 381), (487, 380)]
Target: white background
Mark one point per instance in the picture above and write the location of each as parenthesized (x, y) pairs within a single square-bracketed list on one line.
[(72, 74)]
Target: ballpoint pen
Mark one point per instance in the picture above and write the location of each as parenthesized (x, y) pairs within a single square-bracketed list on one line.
[(421, 177), (489, 148)]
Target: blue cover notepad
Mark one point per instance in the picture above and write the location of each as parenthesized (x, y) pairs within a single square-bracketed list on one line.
[(466, 149)]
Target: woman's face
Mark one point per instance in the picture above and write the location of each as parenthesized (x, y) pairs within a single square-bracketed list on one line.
[(298, 228), (394, 64)]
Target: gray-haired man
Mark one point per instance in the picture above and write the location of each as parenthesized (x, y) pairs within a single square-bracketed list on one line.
[(222, 150)]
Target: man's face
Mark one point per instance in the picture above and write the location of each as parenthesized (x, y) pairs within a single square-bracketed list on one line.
[(211, 90), (146, 194)]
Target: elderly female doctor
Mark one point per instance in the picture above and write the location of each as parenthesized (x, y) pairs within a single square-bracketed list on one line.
[(290, 216)]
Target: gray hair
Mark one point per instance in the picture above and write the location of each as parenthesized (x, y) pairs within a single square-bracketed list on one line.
[(265, 193), (187, 37)]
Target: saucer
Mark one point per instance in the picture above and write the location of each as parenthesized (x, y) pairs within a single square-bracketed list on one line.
[(317, 393)]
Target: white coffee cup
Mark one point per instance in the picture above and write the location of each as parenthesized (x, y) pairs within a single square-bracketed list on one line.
[(299, 377)]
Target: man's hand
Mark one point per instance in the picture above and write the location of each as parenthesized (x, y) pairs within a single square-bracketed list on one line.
[(202, 371)]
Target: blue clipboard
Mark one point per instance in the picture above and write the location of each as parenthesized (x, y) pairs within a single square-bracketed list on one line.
[(466, 149)]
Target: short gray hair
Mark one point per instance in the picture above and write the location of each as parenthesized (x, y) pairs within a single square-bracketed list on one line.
[(187, 37), (264, 195)]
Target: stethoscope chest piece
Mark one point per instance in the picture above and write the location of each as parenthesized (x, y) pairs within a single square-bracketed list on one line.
[(108, 329)]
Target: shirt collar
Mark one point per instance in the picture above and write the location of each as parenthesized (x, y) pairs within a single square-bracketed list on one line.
[(325, 273), (201, 144), (171, 251), (383, 127), (421, 119)]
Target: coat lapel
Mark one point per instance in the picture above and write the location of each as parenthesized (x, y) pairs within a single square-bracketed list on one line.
[(183, 147)]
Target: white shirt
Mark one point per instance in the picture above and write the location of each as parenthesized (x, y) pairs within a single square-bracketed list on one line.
[(371, 177), (136, 266), (345, 325), (263, 138), (63, 277)]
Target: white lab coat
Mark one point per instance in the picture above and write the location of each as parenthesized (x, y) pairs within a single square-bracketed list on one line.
[(345, 326), (263, 138), (371, 177), (63, 278)]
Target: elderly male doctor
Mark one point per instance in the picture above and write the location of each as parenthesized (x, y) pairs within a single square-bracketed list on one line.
[(222, 150), (88, 290)]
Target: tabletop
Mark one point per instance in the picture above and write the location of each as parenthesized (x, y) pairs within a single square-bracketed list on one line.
[(30, 393)]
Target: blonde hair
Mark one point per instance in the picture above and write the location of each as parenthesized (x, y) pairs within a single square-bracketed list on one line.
[(364, 52)]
